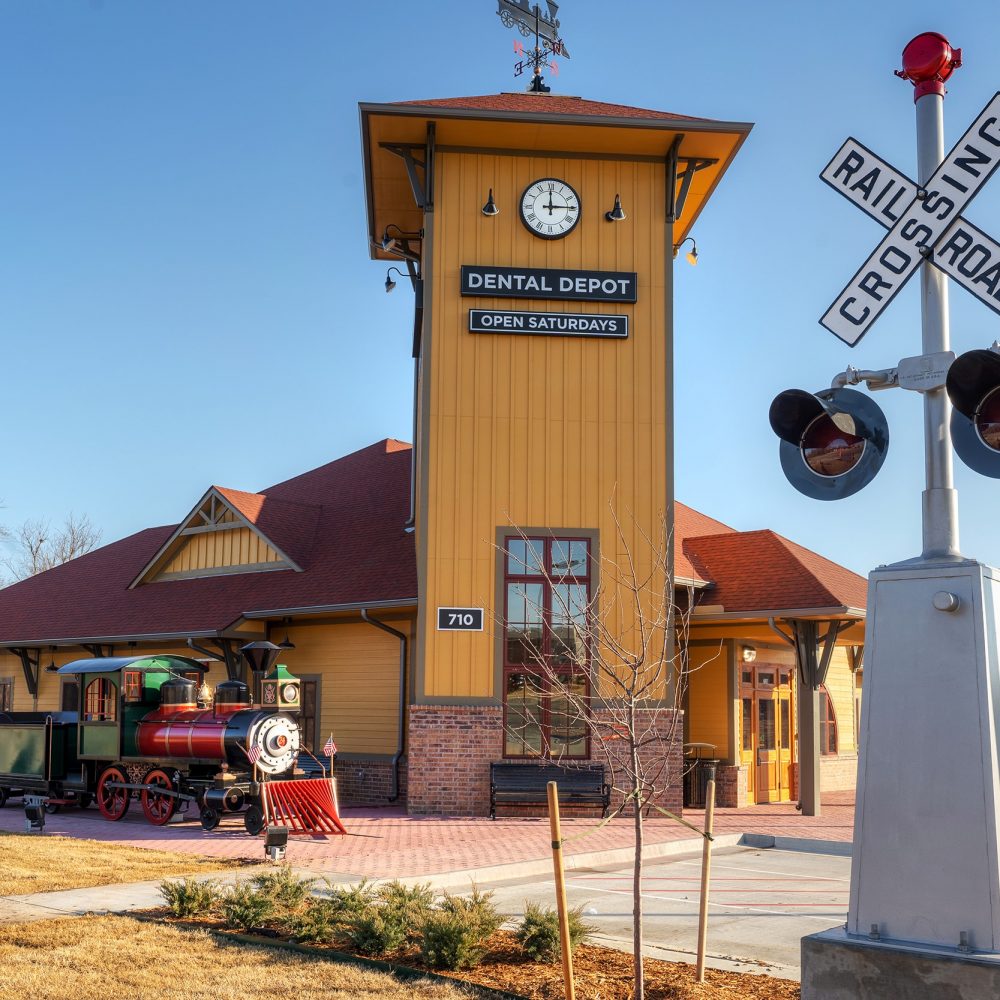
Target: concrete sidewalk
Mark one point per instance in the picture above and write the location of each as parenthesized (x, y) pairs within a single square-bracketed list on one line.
[(387, 843), (123, 897)]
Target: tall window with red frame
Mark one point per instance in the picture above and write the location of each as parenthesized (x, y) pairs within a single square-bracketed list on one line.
[(546, 663)]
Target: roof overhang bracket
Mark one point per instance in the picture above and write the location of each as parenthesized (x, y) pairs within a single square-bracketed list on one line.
[(417, 185), (691, 166), (98, 650), (813, 652), (30, 659), (856, 658)]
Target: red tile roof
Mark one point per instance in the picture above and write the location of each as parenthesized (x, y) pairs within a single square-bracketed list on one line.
[(761, 571), (343, 523), (549, 104), (689, 522), (355, 511)]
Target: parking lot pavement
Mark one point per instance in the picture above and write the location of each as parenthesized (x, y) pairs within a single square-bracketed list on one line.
[(761, 902)]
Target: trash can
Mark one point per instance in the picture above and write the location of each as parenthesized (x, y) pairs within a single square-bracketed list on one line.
[(698, 768)]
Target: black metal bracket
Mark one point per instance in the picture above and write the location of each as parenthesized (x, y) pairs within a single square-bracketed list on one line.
[(405, 153), (30, 659), (97, 649), (676, 199)]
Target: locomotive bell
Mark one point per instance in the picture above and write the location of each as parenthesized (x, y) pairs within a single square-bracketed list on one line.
[(280, 689)]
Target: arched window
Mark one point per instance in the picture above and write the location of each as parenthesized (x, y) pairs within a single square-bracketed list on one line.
[(827, 723), (100, 702)]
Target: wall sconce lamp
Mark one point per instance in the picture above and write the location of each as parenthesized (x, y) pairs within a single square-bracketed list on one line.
[(389, 283), (390, 243), (490, 208), (692, 254), (617, 213), (749, 654), (287, 643)]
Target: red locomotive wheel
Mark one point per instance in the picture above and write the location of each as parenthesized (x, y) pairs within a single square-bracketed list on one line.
[(113, 802), (158, 808)]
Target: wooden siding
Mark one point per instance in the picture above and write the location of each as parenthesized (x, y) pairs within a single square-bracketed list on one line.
[(709, 706), (534, 430), (358, 669), (219, 550)]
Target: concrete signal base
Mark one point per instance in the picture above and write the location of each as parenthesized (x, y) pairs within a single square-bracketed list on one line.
[(836, 967)]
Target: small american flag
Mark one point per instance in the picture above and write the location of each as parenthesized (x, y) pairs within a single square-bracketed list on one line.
[(330, 748), (253, 754)]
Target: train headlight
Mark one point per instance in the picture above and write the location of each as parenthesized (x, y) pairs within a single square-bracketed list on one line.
[(974, 389), (277, 736), (833, 442)]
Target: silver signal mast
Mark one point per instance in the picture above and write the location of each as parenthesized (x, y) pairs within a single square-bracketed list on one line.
[(529, 20)]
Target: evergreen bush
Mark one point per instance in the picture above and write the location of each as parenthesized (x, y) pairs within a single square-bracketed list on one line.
[(245, 907), (538, 933), (190, 897)]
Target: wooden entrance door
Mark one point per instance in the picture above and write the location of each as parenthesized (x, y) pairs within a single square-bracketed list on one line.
[(309, 690), (766, 738)]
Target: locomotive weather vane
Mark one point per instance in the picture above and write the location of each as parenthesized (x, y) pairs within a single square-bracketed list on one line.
[(529, 20)]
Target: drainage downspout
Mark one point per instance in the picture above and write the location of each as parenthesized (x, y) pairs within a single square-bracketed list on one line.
[(403, 642)]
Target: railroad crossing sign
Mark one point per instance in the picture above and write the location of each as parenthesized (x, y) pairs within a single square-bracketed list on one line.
[(924, 224)]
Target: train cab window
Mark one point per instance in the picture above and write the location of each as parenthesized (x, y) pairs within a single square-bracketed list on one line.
[(100, 703), (69, 696), (132, 685)]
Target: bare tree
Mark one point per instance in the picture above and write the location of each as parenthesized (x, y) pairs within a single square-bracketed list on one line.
[(628, 638), (38, 546)]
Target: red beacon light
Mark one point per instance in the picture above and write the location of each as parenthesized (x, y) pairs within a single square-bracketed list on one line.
[(928, 61)]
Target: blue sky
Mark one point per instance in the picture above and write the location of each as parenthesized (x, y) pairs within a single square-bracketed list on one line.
[(185, 290)]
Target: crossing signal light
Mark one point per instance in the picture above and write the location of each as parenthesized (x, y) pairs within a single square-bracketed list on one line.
[(973, 386), (833, 442)]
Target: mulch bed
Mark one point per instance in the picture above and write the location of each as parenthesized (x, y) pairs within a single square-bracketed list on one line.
[(601, 973)]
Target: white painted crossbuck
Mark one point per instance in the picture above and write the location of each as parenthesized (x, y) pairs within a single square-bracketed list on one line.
[(923, 223)]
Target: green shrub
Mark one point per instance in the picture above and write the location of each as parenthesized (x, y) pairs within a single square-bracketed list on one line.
[(245, 907), (455, 936), (408, 907), (287, 891), (477, 909), (190, 897), (357, 898), (318, 920), (538, 933), (375, 930)]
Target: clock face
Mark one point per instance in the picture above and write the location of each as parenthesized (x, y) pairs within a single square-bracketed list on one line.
[(550, 208)]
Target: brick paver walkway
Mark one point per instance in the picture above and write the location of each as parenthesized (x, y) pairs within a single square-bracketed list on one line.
[(385, 842)]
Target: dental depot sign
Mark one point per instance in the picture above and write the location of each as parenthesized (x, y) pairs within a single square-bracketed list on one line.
[(548, 283)]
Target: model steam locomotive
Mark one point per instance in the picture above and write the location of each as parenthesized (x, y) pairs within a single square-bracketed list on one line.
[(141, 733)]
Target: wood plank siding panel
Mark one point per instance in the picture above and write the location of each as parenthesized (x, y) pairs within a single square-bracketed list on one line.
[(220, 550), (358, 668), (708, 698), (535, 430)]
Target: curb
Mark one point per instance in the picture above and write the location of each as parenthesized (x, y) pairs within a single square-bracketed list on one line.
[(572, 862), (404, 973), (765, 841)]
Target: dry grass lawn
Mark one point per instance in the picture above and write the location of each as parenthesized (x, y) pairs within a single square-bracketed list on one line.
[(93, 958), (47, 863)]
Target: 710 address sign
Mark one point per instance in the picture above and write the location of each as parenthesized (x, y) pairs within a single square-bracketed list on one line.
[(460, 619)]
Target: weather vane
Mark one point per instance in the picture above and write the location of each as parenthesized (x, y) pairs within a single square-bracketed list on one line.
[(529, 19)]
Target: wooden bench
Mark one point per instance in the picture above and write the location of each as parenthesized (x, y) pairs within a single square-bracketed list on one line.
[(526, 784)]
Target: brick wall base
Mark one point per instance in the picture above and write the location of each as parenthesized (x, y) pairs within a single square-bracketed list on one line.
[(451, 748), (731, 785), (368, 781), (837, 773)]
